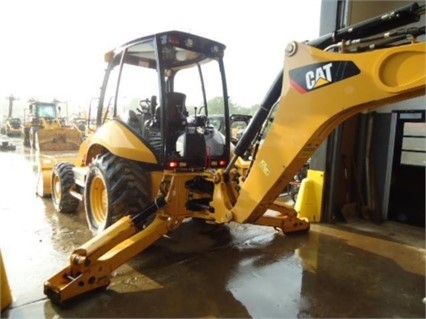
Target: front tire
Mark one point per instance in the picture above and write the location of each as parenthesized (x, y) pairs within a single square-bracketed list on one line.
[(62, 183), (115, 187), (33, 139), (27, 137)]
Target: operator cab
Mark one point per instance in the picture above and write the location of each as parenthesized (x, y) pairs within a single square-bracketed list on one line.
[(162, 88), (44, 110)]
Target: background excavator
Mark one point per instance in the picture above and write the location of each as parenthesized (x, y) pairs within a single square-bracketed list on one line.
[(150, 166)]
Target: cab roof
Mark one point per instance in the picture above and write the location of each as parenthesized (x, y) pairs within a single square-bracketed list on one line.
[(142, 50)]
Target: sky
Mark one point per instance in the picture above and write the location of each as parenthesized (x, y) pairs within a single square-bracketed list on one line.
[(55, 48)]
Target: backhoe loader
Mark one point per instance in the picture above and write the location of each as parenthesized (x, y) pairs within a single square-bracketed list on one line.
[(149, 166)]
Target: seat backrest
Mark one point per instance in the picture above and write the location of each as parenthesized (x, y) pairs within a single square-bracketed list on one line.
[(176, 111)]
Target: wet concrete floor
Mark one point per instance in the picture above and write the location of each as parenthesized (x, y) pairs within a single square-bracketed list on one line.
[(238, 271)]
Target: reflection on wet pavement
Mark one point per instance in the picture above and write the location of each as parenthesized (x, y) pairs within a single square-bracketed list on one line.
[(199, 270), (36, 238)]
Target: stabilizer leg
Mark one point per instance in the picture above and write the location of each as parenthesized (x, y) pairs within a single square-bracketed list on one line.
[(92, 264)]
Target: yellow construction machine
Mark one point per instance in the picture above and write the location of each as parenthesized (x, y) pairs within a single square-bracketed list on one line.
[(13, 127), (45, 130), (237, 123), (150, 166)]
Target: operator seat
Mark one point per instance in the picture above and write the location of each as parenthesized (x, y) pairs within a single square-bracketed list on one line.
[(176, 111), (176, 118)]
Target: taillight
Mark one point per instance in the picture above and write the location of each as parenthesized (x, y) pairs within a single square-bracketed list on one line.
[(173, 164), (217, 163)]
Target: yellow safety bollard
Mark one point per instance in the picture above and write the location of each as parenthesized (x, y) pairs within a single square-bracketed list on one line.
[(309, 200), (6, 296)]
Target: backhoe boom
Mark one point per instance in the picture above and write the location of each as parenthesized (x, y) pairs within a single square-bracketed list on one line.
[(320, 91)]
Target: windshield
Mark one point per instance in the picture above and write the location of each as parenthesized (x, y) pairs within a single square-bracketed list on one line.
[(46, 110), (15, 121)]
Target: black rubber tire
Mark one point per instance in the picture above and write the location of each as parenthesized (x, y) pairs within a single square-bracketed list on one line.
[(62, 182), (33, 139), (27, 137), (115, 187)]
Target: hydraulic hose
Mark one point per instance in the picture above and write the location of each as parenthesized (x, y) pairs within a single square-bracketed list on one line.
[(140, 218), (390, 20), (259, 118)]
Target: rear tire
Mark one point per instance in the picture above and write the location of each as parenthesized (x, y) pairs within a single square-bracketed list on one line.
[(62, 183), (115, 187)]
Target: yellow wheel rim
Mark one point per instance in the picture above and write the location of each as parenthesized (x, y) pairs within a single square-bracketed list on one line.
[(98, 200), (57, 190)]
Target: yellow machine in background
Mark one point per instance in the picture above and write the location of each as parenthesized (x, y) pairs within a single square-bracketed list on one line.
[(13, 126), (237, 123), (148, 167), (44, 130)]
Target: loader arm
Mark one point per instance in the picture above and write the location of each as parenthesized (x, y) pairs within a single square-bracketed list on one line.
[(320, 91)]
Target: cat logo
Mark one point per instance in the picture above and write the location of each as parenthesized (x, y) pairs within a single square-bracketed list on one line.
[(318, 75)]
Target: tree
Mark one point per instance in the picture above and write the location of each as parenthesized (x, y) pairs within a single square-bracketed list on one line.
[(253, 109), (215, 106)]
